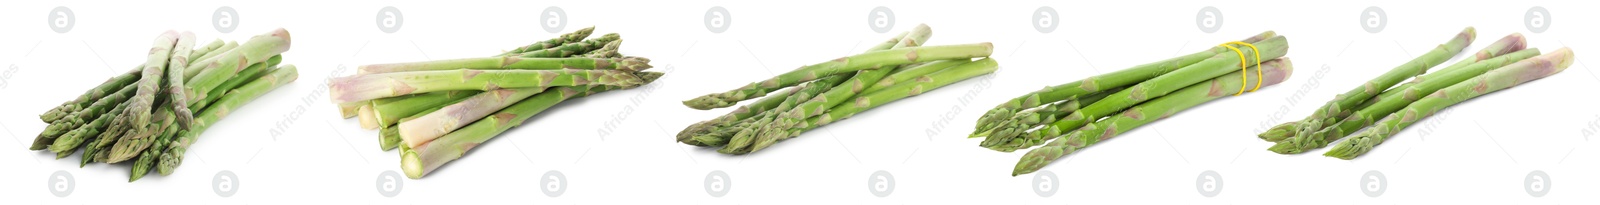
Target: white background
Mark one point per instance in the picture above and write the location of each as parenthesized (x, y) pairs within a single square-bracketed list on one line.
[(1479, 153)]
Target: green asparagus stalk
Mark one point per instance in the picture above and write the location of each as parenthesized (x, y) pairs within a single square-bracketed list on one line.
[(573, 37), (1496, 80), (433, 125), (743, 136), (203, 50), (1218, 65), (570, 49), (71, 141), (147, 158), (1272, 73), (179, 60), (139, 107), (512, 63), (1031, 118), (389, 111), (250, 73), (1120, 78), (869, 60), (1344, 103), (101, 107), (173, 155), (856, 84), (374, 86), (420, 160), (134, 142), (227, 65), (907, 73), (870, 100), (87, 98), (610, 50), (191, 71), (1383, 107), (389, 138), (705, 128), (350, 109)]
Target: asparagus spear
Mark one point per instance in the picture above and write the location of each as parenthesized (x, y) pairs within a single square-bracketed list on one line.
[(912, 72), (374, 86), (147, 158), (1496, 80), (173, 155), (899, 91), (179, 59), (420, 160), (1364, 117), (869, 60), (570, 49), (743, 135), (389, 111), (703, 128), (610, 50), (139, 106), (250, 73), (71, 141), (389, 138), (349, 109), (855, 85), (101, 107), (87, 98), (203, 50), (1121, 78), (1029, 119), (512, 63), (428, 127), (1342, 104), (191, 71), (216, 71), (1272, 73), (573, 37), (1218, 65), (368, 119)]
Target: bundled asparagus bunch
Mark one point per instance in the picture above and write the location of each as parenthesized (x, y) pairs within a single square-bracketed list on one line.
[(435, 111), (1387, 108), (152, 114), (1078, 114), (834, 90)]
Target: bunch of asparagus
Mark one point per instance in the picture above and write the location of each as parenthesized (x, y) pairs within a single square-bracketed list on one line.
[(1387, 108), (435, 111), (1078, 114), (152, 114), (834, 90)]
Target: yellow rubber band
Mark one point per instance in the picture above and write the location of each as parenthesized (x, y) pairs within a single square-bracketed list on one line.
[(1244, 66)]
